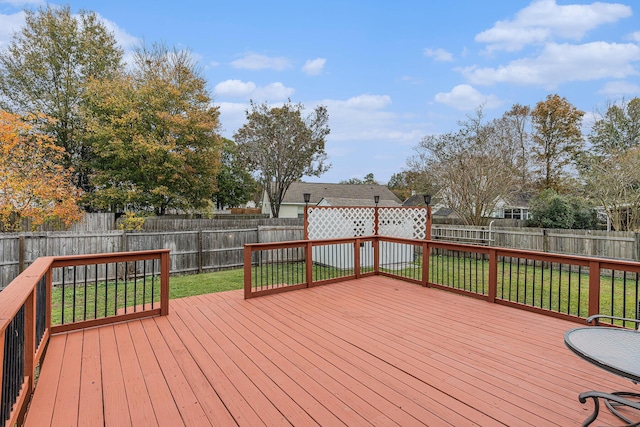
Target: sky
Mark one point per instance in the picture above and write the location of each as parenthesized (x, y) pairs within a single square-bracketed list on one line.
[(389, 73)]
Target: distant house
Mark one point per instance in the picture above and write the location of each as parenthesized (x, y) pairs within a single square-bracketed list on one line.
[(514, 207), (323, 194)]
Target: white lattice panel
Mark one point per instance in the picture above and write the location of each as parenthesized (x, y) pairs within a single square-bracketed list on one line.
[(410, 223), (339, 222), (335, 223)]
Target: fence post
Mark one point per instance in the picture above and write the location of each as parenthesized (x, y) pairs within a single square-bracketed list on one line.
[(545, 240), (200, 254), (594, 288), (493, 275), (125, 242), (636, 246), (21, 254)]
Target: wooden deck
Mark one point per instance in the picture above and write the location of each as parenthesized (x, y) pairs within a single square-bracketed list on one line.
[(372, 351)]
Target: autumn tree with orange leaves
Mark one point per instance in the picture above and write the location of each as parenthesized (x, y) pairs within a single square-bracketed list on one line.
[(33, 184)]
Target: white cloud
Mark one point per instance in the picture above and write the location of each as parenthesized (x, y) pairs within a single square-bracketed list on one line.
[(364, 119), (272, 92), (22, 3), (254, 61), (238, 89), (438, 55), (314, 67), (543, 20), (635, 36), (467, 98), (8, 25), (367, 102), (559, 63), (234, 88), (619, 89)]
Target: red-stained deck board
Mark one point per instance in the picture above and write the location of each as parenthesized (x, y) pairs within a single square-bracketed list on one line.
[(68, 396), (308, 408), (184, 392), (423, 361), (165, 409), (47, 385), (423, 403), (373, 351), (116, 408), (216, 342), (140, 407), (227, 382), (90, 409)]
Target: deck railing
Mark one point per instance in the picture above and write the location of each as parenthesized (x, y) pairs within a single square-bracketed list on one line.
[(563, 286), (57, 294)]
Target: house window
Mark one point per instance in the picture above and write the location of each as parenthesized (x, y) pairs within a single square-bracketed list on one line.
[(516, 213)]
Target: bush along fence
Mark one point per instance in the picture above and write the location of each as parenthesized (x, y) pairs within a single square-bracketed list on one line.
[(193, 251), (564, 286)]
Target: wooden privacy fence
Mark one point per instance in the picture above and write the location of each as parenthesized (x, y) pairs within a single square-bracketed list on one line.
[(592, 243), (191, 251)]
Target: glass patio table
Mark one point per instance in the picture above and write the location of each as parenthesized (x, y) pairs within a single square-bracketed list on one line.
[(615, 350)]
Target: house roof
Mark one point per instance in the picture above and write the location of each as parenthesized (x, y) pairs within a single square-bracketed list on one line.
[(359, 192)]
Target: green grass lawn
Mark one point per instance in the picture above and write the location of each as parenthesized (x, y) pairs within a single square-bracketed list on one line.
[(110, 297), (206, 283)]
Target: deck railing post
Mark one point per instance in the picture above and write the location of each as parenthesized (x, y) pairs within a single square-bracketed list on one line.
[(356, 257), (376, 255), (165, 260), (247, 271), (493, 275), (309, 263), (594, 287), (426, 249)]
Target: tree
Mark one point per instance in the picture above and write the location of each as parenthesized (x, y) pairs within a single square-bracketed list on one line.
[(236, 186), (281, 146), (368, 179), (515, 124), (610, 172), (399, 186), (45, 68), (552, 210), (472, 168), (614, 182), (557, 140), (618, 129), (154, 136), (32, 183)]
